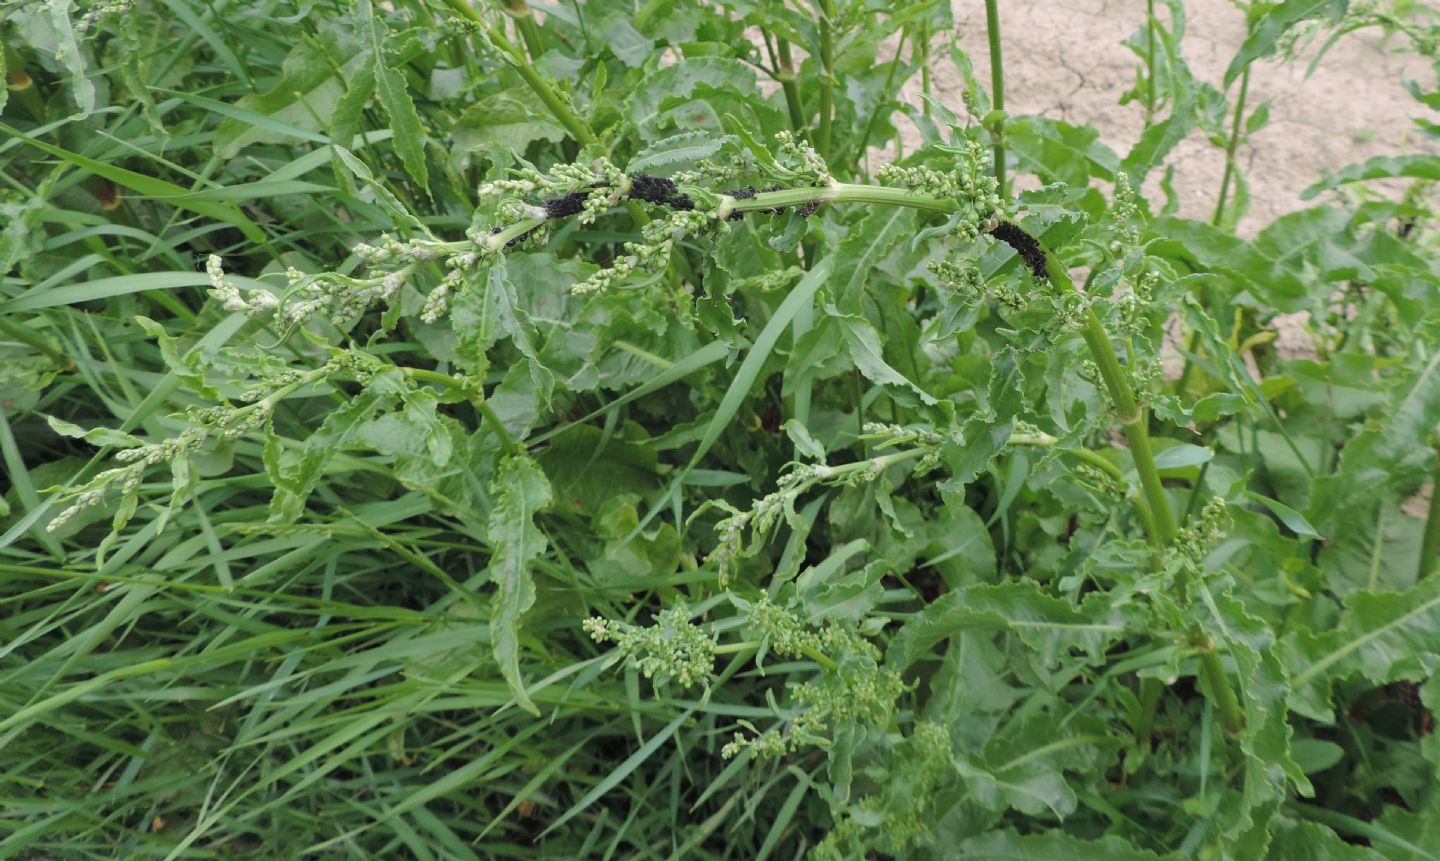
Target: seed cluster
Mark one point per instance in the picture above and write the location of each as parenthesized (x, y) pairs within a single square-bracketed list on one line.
[(672, 648), (853, 687)]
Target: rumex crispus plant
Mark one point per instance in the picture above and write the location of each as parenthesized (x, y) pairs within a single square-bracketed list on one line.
[(446, 430)]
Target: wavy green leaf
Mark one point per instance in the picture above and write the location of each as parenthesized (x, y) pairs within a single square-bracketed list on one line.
[(520, 490)]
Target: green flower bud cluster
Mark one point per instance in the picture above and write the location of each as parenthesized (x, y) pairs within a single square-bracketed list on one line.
[(770, 281), (1148, 373), (773, 743), (965, 280), (1098, 481), (708, 172), (1126, 212), (798, 161), (853, 687), (253, 303), (779, 630), (971, 183), (861, 690), (899, 817), (1071, 309), (1130, 313), (962, 277), (218, 424), (649, 257), (344, 298), (207, 425), (1195, 541), (888, 436), (1133, 307), (672, 648), (760, 519), (922, 179), (87, 23), (892, 435)]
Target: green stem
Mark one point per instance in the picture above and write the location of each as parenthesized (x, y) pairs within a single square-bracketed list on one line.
[(997, 87), (1045, 440), (1149, 62), (1212, 670), (1430, 547), (840, 192), (34, 341), (1095, 459), (1132, 416), (785, 68), (519, 10), (1232, 146), (810, 652), (827, 76), (922, 41), (577, 127), (424, 375), (1150, 691), (497, 241), (819, 657), (22, 86)]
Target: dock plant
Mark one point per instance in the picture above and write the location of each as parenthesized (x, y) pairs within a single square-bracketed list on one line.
[(450, 429)]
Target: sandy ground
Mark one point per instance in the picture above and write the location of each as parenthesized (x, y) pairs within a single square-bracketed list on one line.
[(1064, 59)]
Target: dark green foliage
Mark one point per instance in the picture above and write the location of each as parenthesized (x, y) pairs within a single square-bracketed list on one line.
[(433, 430)]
